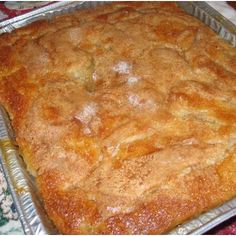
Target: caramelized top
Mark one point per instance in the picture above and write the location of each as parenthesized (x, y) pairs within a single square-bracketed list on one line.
[(125, 114)]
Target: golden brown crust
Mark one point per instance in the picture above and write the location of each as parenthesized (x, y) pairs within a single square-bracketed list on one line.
[(125, 114)]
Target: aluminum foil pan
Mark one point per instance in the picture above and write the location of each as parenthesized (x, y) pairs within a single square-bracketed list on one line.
[(208, 220), (22, 185), (46, 12), (208, 15)]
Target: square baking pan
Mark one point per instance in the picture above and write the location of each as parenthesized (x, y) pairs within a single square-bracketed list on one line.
[(22, 185)]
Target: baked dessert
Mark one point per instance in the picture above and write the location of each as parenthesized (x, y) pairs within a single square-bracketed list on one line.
[(125, 114)]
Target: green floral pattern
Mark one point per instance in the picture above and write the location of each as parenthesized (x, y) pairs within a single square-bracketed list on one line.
[(9, 222)]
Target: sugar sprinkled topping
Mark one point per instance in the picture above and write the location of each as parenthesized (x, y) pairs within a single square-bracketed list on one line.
[(94, 76), (86, 116), (190, 141), (132, 80), (113, 150), (122, 67), (134, 99), (141, 102), (87, 113), (113, 209)]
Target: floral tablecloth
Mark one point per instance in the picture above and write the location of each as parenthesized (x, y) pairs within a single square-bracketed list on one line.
[(9, 222)]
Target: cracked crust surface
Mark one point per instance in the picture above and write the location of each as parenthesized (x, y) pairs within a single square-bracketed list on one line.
[(125, 114)]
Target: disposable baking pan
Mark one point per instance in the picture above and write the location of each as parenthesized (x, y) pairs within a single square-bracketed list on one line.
[(22, 185), (208, 15)]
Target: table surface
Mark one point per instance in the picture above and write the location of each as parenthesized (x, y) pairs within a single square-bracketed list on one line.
[(9, 222)]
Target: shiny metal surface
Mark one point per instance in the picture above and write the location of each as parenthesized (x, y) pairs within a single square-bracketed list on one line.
[(209, 16), (22, 185)]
